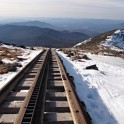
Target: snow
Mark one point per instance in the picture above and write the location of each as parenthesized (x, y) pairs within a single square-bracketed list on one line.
[(116, 40), (5, 60), (27, 55), (115, 61), (84, 42), (102, 90)]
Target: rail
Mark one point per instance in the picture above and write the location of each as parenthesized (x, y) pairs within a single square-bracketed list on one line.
[(42, 93)]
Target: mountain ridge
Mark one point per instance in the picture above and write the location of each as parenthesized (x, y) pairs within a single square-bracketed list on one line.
[(41, 24), (36, 36), (91, 27)]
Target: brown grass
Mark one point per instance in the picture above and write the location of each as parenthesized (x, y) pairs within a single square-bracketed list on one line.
[(9, 53), (3, 69)]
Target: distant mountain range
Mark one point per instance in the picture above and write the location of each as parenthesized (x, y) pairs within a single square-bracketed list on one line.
[(91, 27), (36, 36), (55, 32), (35, 23)]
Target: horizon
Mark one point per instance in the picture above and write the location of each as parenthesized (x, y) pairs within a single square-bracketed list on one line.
[(44, 19)]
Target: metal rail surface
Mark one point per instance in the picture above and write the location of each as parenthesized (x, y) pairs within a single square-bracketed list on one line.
[(42, 93)]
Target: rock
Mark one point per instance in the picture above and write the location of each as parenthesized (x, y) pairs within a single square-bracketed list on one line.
[(92, 67), (11, 67), (32, 48), (20, 59), (79, 60), (70, 54), (71, 78), (85, 57), (22, 46), (19, 65), (1, 62)]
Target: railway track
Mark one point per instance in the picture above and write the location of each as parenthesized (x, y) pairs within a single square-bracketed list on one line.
[(42, 93)]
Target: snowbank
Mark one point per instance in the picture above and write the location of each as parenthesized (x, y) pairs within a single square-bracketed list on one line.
[(103, 90)]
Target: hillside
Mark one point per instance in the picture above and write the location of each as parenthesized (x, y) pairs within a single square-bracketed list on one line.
[(115, 40), (92, 43), (36, 36), (111, 43)]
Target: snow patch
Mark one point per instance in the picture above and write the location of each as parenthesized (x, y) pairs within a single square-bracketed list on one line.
[(115, 40), (84, 42)]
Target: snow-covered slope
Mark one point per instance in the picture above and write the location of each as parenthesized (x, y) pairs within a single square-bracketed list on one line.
[(84, 42), (102, 90), (112, 40), (109, 43), (116, 39)]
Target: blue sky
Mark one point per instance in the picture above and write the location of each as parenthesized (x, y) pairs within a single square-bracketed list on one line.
[(107, 9)]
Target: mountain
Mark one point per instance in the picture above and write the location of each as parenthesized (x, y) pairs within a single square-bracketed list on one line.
[(36, 36), (114, 38), (35, 23), (92, 43), (111, 43), (91, 27)]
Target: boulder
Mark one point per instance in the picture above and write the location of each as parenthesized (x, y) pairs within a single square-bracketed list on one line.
[(85, 57), (92, 67), (11, 67)]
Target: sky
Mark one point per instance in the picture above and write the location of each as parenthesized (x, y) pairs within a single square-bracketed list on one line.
[(103, 9)]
